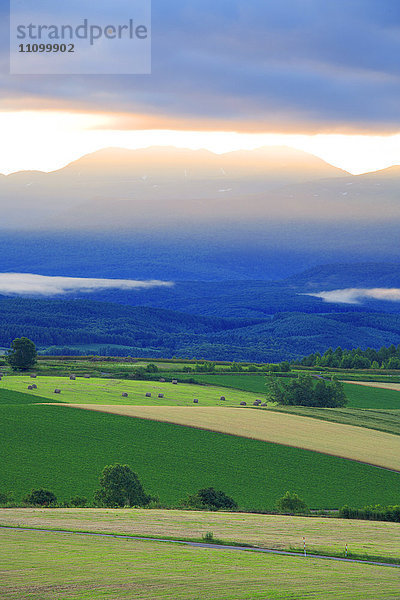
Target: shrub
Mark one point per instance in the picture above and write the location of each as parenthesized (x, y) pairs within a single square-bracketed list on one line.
[(41, 497), (78, 501), (210, 499), (6, 497), (291, 503)]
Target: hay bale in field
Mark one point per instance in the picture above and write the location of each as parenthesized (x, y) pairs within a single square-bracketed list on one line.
[(174, 381), (34, 386), (263, 404), (243, 404), (87, 376), (33, 375), (195, 401), (30, 387), (148, 394), (256, 403), (161, 395), (162, 380), (57, 391), (72, 377), (222, 398), (124, 394)]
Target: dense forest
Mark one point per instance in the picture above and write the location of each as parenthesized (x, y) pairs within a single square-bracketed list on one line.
[(384, 358)]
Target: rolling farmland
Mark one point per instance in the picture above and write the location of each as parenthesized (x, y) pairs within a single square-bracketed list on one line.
[(108, 568)]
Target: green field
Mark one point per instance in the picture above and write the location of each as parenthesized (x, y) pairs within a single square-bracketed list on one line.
[(109, 391), (57, 566), (65, 449), (279, 532), (362, 396)]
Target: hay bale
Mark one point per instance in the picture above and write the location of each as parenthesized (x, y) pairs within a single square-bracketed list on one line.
[(243, 404), (30, 387), (87, 376), (57, 391), (124, 394), (263, 404), (72, 377), (222, 398), (174, 381), (162, 380), (256, 403), (34, 386), (148, 395), (161, 395), (33, 375), (195, 401)]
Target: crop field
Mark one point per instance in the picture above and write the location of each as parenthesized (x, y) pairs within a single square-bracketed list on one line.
[(382, 420), (109, 391), (373, 395), (55, 566), (279, 532), (356, 443), (65, 448)]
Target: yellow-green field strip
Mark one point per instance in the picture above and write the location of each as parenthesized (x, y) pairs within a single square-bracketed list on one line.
[(364, 445), (216, 546), (275, 532), (376, 384)]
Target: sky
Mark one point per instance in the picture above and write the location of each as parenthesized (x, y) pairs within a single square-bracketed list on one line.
[(321, 76)]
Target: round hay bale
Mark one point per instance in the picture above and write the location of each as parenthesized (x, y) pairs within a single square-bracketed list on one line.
[(161, 395), (124, 394), (57, 391), (87, 376), (72, 377), (148, 395), (222, 398), (195, 401), (174, 381), (256, 403), (243, 404), (162, 380), (30, 387), (34, 386), (33, 375), (263, 404)]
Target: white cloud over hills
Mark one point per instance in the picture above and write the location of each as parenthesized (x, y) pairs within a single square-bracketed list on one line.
[(27, 284), (357, 295)]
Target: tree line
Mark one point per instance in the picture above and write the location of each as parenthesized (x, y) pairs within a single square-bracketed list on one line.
[(384, 358)]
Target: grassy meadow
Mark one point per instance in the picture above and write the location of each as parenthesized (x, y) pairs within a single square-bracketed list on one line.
[(65, 449), (109, 391), (56, 566), (278, 532)]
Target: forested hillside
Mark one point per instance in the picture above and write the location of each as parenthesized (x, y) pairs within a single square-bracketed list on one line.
[(71, 326)]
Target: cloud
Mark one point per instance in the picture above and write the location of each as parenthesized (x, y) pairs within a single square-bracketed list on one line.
[(28, 284), (299, 65), (357, 295)]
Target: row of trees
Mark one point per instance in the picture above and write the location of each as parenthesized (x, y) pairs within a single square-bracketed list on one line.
[(385, 358), (121, 487), (303, 391)]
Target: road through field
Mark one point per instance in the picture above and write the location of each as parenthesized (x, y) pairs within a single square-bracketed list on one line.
[(356, 443)]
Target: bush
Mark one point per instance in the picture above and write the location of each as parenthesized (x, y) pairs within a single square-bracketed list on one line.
[(120, 486), (41, 497), (78, 501), (302, 392), (291, 503), (6, 497), (372, 513), (210, 499)]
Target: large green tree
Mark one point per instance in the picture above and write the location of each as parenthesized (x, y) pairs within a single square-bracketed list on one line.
[(120, 486), (22, 354)]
